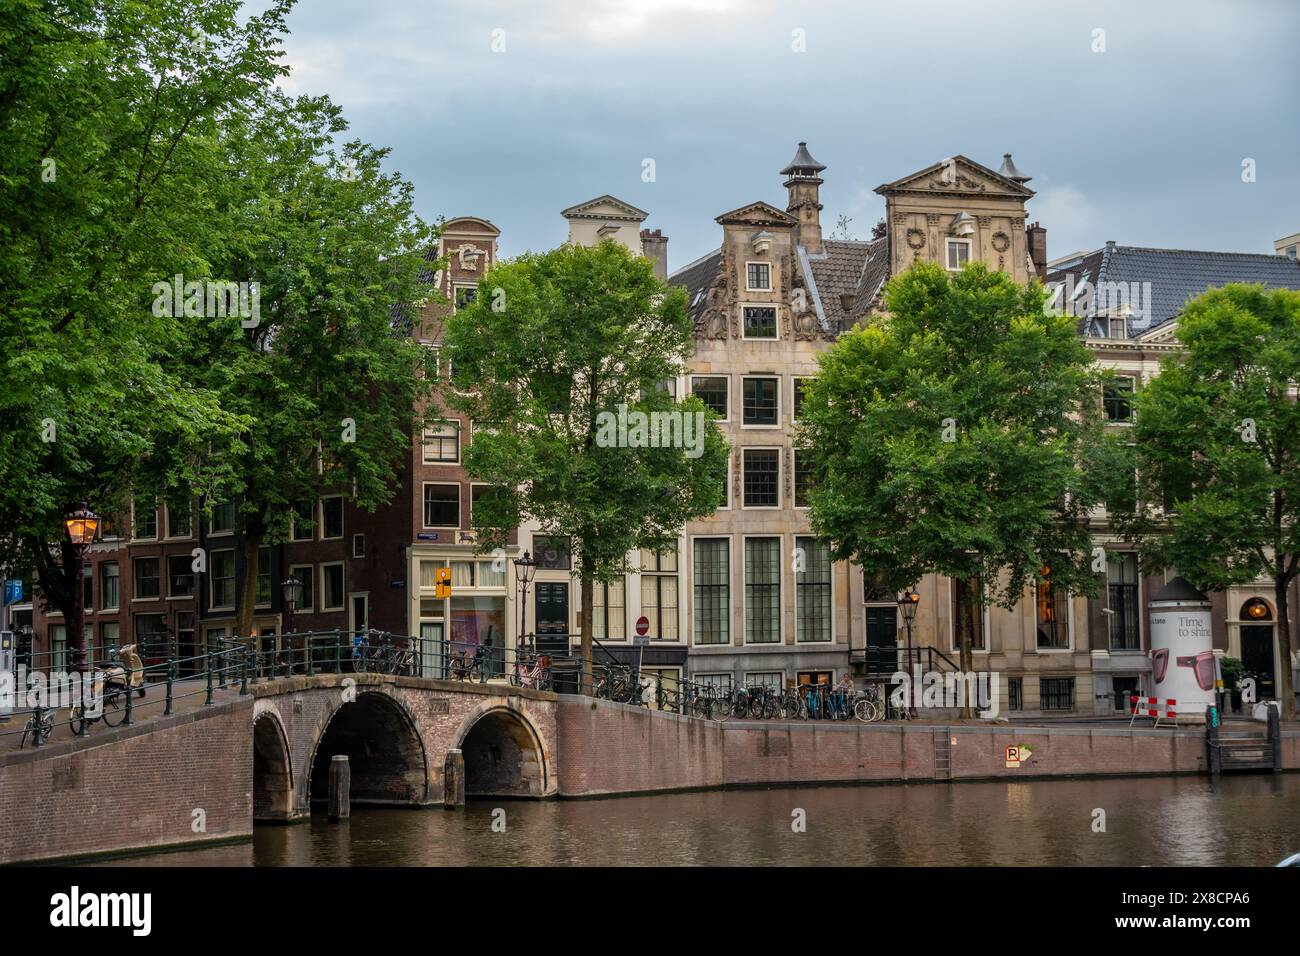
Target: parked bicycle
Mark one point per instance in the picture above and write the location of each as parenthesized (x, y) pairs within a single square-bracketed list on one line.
[(531, 670), (46, 724), (869, 706)]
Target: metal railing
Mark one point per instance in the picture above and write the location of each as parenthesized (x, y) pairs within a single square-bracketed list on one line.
[(111, 691), (229, 663)]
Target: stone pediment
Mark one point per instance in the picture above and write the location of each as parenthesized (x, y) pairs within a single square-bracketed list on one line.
[(757, 214), (957, 176), (607, 208)]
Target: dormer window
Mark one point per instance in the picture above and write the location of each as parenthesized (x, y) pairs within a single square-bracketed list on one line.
[(958, 253), (760, 322), (1119, 327), (758, 277)]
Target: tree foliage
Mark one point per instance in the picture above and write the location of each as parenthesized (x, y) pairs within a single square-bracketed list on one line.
[(1217, 449), (949, 437), (552, 342)]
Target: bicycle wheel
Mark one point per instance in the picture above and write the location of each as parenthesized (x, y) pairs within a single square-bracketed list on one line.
[(114, 708), (359, 662), (771, 708), (78, 720), (721, 708)]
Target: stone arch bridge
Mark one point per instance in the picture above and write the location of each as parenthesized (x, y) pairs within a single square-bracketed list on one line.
[(396, 733)]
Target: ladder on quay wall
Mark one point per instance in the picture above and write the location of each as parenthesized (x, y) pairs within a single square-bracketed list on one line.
[(1241, 746), (942, 754)]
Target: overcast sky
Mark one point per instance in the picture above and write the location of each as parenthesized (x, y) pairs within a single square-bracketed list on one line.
[(1142, 143)]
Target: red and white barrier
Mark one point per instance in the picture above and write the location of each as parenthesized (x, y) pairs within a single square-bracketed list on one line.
[(1155, 707)]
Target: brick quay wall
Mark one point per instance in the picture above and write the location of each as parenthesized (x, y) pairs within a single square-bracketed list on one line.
[(607, 748), (186, 779)]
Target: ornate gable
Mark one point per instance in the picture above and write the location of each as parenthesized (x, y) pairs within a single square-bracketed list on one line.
[(607, 208), (757, 214), (957, 176)]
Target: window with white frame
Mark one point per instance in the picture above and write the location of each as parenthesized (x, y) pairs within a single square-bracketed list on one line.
[(760, 404), (712, 586), (762, 471), (1117, 399), (770, 680), (442, 442), (442, 506), (812, 590), (608, 620), (758, 277), (223, 519), (759, 322), (331, 517), (712, 391), (332, 587), (147, 582), (1052, 612), (221, 578), (958, 253), (763, 590), (659, 592)]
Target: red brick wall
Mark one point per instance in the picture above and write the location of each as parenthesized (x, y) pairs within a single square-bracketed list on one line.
[(131, 788), (614, 748), (617, 748)]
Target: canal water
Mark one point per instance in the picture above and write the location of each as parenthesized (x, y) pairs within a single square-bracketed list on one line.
[(1148, 821)]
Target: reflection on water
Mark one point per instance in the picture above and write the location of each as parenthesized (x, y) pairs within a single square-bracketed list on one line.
[(1178, 821)]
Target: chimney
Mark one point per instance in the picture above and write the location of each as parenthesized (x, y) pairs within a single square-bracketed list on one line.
[(1036, 236), (654, 246), (802, 184)]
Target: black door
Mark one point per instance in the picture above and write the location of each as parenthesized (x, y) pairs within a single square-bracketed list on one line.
[(553, 617), (1257, 658), (882, 640)]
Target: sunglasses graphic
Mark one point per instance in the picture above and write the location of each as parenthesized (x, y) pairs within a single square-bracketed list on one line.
[(1202, 664)]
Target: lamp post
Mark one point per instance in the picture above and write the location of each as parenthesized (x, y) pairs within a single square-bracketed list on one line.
[(291, 592), (82, 526), (525, 569), (907, 602)]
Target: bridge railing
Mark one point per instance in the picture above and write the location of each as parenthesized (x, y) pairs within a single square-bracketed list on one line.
[(46, 692)]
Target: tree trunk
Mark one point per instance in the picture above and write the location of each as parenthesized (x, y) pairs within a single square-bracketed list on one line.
[(967, 662), (253, 535), (588, 610), (1286, 693)]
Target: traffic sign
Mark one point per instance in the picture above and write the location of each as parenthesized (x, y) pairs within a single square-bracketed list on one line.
[(642, 625)]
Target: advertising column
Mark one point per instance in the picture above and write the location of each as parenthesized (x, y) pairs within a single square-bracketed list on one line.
[(1182, 656)]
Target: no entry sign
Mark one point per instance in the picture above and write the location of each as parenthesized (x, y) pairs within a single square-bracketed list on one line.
[(642, 625)]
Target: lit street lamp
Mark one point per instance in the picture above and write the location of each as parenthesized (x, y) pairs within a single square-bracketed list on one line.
[(907, 602), (82, 526), (291, 592)]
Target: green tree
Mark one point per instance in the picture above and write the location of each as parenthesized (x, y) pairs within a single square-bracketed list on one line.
[(1217, 446), (948, 437), (554, 345), (329, 380), (110, 111)]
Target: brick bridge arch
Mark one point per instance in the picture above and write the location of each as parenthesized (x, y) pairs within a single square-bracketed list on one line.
[(504, 752), (396, 732)]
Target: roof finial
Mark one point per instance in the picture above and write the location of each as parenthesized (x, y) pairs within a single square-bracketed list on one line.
[(1009, 170)]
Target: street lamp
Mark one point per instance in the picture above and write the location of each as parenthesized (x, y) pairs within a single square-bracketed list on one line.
[(525, 569), (907, 602), (291, 592), (82, 526)]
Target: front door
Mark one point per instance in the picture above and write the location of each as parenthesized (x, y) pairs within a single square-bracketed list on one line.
[(882, 640), (553, 617), (1257, 658)]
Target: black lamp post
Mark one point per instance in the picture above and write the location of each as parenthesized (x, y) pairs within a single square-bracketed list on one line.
[(525, 569), (82, 526), (291, 592), (907, 602)]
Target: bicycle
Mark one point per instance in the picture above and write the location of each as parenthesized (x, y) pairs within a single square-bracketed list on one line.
[(531, 671), (463, 667), (868, 706), (793, 706), (46, 728)]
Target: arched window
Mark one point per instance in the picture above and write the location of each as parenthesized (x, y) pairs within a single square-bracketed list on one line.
[(1256, 609)]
